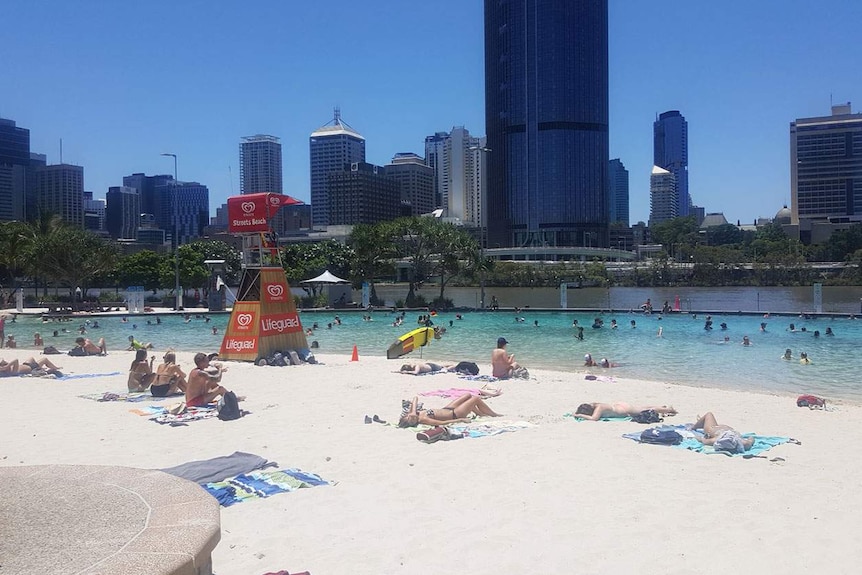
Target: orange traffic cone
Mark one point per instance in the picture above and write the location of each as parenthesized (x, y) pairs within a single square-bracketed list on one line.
[(355, 356)]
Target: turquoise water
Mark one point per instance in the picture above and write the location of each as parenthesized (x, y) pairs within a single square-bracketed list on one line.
[(686, 353)]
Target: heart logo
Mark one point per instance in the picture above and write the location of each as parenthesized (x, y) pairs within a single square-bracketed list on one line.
[(247, 207), (275, 290), (273, 200), (244, 319)]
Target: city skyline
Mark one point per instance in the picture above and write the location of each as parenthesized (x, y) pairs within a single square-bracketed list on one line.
[(184, 81)]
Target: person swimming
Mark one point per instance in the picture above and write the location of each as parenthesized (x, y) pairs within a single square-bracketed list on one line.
[(788, 354)]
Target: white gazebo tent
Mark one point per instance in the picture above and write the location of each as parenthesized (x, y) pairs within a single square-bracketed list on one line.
[(338, 289)]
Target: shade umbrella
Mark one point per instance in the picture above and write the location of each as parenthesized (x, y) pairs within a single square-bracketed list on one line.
[(325, 278)]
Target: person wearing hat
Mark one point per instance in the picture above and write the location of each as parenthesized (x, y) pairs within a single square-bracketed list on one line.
[(502, 363)]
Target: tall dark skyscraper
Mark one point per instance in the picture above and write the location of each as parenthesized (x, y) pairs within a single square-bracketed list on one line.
[(330, 148), (546, 106), (14, 163), (618, 179), (670, 151)]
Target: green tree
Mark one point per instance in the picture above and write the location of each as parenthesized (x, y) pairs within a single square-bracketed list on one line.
[(675, 231), (143, 268), (16, 253), (303, 261), (453, 249), (374, 254), (413, 240), (71, 257)]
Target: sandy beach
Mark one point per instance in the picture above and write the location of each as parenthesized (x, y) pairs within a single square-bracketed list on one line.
[(559, 497)]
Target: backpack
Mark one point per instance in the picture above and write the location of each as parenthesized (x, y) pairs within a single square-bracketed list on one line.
[(78, 351), (647, 416), (659, 436), (811, 402), (467, 368), (228, 408), (277, 359)]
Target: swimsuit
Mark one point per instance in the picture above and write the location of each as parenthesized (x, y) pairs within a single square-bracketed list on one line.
[(196, 401), (430, 413), (435, 366)]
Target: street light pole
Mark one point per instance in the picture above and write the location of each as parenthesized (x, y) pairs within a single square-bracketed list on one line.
[(177, 300)]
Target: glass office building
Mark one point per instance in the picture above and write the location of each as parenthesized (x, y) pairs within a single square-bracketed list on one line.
[(670, 151), (546, 106)]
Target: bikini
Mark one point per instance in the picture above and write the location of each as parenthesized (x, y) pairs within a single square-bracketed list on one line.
[(430, 413)]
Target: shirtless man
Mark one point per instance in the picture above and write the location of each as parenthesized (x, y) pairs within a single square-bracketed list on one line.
[(502, 363), (425, 367), (722, 437), (596, 411), (203, 386), (91, 348)]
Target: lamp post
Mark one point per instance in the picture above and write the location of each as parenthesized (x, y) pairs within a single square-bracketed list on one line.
[(177, 300)]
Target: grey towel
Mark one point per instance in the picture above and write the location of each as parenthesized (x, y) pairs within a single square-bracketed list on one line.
[(219, 468)]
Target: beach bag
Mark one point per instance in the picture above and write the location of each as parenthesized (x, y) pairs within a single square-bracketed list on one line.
[(228, 407), (521, 372), (467, 368), (647, 416), (78, 351), (660, 436), (811, 402), (51, 350), (277, 359)]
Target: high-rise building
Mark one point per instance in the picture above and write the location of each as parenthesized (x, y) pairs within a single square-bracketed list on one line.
[(670, 151), (94, 213), (546, 109), (191, 206), (457, 160), (330, 148), (618, 196), (14, 162), (260, 167), (61, 192), (123, 212), (155, 197), (362, 194), (826, 167), (416, 181), (663, 198)]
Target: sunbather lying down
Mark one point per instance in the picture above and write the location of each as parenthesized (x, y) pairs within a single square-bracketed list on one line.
[(456, 412), (29, 365), (596, 411), (425, 367), (721, 437)]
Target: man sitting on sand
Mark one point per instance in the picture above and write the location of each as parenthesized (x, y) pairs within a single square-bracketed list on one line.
[(83, 346), (721, 437), (502, 364), (203, 386), (596, 411)]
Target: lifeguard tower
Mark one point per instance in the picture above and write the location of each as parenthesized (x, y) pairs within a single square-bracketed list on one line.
[(264, 318)]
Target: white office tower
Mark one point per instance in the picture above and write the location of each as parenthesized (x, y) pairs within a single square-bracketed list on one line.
[(663, 200), (458, 160)]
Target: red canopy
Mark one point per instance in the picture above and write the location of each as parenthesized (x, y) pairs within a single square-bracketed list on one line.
[(252, 212)]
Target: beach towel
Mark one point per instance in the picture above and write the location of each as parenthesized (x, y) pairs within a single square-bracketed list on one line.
[(488, 378), (620, 418), (603, 378), (488, 428), (190, 414), (124, 396), (220, 468), (689, 442), (149, 410), (261, 484), (451, 392), (87, 375)]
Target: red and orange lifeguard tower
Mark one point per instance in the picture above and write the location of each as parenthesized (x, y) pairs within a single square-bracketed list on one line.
[(264, 318)]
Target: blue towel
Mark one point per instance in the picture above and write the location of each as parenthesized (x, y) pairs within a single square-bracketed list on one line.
[(86, 375), (761, 442)]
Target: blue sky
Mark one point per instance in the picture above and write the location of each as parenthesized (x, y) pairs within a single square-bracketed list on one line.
[(121, 82)]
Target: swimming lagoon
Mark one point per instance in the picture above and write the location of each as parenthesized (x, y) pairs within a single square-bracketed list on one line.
[(686, 353)]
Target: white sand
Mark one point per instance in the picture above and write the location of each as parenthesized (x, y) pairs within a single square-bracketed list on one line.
[(563, 497)]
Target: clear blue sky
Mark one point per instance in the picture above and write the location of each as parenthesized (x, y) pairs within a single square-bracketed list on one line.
[(121, 82)]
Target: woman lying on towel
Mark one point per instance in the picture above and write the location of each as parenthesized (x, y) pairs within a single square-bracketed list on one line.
[(456, 412), (596, 411), (721, 437), (425, 367)]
